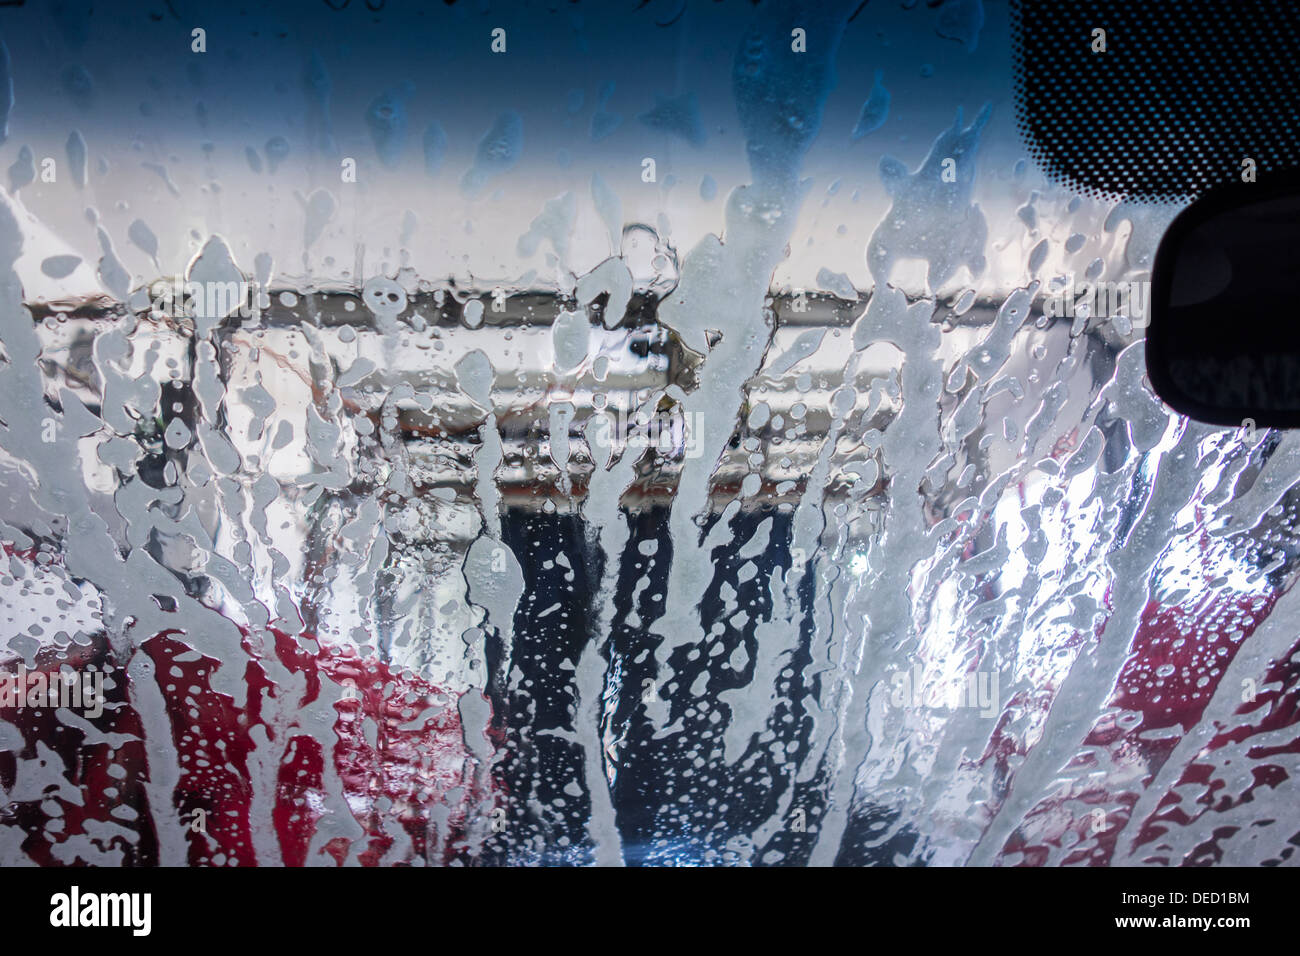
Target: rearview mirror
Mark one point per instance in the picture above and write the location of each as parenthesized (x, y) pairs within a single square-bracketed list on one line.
[(1223, 345)]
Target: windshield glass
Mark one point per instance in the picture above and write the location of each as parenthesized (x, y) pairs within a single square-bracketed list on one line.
[(689, 434)]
